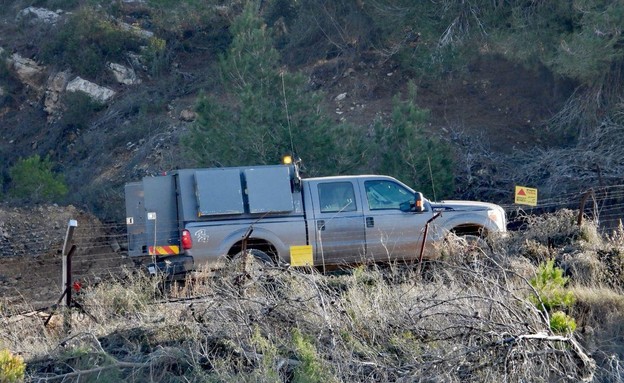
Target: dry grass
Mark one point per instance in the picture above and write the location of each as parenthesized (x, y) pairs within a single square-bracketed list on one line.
[(601, 310), (465, 317)]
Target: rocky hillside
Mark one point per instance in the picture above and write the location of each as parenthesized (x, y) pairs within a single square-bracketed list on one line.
[(519, 92), (108, 93), (124, 120)]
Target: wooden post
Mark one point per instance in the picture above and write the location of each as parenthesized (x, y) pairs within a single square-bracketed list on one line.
[(68, 277), (422, 245), (589, 193)]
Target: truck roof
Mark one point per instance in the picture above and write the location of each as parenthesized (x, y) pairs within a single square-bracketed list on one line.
[(349, 177)]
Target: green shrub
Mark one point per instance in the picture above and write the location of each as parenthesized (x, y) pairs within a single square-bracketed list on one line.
[(155, 55), (32, 179), (12, 367), (549, 283), (312, 368), (270, 112), (269, 354), (79, 108), (87, 41), (562, 323)]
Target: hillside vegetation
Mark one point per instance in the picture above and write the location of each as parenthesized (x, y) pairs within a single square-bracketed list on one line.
[(458, 98)]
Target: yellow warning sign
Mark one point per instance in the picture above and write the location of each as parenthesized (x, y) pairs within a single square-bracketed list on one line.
[(301, 256), (526, 196)]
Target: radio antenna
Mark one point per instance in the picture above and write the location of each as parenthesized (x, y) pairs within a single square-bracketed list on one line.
[(292, 146), (431, 177)]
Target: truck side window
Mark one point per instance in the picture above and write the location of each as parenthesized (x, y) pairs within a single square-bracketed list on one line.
[(336, 197), (384, 194)]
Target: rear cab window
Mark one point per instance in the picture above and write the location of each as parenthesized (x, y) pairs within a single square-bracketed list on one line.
[(335, 197)]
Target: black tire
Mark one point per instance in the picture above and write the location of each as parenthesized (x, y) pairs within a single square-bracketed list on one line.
[(252, 261), (475, 241), (259, 256), (462, 244)]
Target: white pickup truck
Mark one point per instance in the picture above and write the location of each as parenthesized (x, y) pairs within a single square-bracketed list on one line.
[(196, 216)]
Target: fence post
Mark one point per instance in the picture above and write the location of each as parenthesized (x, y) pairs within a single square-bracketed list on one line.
[(589, 193), (66, 275)]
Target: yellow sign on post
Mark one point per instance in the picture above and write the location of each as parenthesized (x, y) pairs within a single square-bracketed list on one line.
[(301, 256), (526, 196)]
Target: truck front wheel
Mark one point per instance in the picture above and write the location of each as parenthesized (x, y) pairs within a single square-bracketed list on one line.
[(474, 241), (458, 243)]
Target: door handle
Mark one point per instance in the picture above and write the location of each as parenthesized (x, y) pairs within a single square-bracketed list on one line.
[(370, 222), (320, 225)]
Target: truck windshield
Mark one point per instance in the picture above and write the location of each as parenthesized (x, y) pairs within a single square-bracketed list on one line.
[(382, 194)]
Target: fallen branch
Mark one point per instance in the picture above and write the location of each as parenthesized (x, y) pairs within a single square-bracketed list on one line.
[(81, 373)]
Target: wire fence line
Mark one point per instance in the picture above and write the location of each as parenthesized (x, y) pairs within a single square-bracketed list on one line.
[(101, 247), (604, 205)]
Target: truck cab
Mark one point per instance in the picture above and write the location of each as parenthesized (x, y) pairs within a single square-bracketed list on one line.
[(378, 218)]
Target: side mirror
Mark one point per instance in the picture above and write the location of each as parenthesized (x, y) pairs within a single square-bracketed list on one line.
[(406, 206), (419, 205)]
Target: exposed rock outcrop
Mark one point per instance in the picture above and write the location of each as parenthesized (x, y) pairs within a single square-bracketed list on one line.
[(142, 33), (123, 74), (28, 71), (95, 91), (42, 15), (56, 87), (188, 115)]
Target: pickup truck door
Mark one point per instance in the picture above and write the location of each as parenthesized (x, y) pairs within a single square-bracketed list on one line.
[(338, 225), (391, 234)]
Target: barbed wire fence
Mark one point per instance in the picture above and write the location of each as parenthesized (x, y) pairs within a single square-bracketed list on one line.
[(101, 248)]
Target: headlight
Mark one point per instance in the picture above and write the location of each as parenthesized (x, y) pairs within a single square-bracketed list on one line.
[(498, 217)]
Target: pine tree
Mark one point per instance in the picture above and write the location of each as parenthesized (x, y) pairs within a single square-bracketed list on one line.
[(269, 112), (408, 153)]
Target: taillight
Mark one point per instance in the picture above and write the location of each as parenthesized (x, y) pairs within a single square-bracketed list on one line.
[(187, 241)]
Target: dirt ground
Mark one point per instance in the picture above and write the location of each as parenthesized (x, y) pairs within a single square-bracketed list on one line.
[(502, 103), (31, 242)]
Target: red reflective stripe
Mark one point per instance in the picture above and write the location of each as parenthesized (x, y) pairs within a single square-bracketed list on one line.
[(164, 250)]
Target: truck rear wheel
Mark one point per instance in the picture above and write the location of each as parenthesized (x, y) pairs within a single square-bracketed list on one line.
[(258, 255), (252, 262)]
